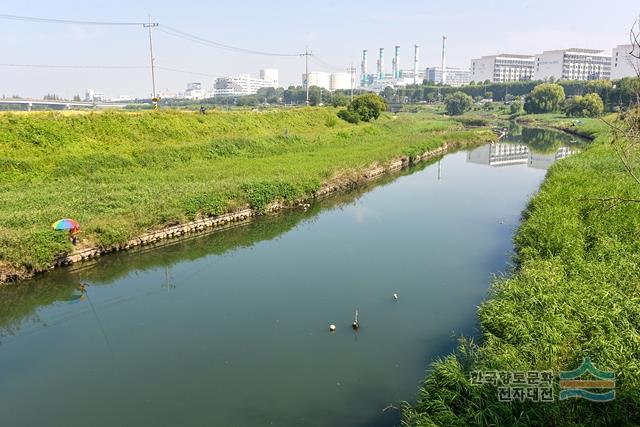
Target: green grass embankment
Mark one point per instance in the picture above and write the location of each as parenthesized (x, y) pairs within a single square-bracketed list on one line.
[(120, 174), (574, 293)]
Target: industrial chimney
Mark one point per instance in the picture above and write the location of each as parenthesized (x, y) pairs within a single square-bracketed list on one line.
[(444, 60), (381, 64), (416, 60), (363, 68), (396, 62)]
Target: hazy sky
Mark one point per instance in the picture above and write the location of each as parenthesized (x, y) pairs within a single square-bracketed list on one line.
[(336, 31)]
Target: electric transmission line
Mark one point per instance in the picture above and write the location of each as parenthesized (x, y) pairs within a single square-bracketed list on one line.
[(66, 21), (201, 40), (99, 67)]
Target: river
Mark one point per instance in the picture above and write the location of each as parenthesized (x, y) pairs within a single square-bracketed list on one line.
[(231, 328)]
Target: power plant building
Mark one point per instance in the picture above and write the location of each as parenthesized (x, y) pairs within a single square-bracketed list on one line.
[(340, 81), (397, 77), (455, 76)]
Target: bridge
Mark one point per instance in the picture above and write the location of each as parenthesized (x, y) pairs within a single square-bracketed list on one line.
[(66, 104)]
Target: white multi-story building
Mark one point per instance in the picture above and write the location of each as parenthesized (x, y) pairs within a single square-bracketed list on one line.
[(242, 84), (502, 68), (194, 91), (625, 62), (455, 76), (572, 64), (270, 75)]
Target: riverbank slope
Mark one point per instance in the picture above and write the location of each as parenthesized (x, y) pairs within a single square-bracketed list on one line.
[(123, 174), (575, 293)]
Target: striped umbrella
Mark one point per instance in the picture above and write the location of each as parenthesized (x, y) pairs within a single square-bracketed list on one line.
[(66, 224)]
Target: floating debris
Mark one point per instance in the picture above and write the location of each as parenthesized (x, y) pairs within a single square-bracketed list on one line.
[(356, 324)]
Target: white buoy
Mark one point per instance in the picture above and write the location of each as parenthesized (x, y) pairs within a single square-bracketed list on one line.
[(395, 297), (332, 328)]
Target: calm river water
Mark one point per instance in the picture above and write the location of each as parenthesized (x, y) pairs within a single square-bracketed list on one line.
[(231, 328)]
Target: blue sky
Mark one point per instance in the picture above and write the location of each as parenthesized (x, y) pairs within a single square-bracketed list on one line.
[(336, 31)]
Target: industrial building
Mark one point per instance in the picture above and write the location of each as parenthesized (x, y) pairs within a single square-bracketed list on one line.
[(330, 81), (623, 61), (317, 78), (244, 84), (397, 77), (502, 68), (572, 64), (454, 76)]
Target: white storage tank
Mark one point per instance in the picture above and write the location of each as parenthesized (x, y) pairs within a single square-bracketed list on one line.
[(340, 81)]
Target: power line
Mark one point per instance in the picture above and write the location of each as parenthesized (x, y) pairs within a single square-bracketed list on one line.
[(106, 67), (176, 70), (82, 67), (325, 64), (66, 21), (210, 43)]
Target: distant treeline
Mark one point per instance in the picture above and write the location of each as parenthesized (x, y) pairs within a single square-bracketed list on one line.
[(617, 93)]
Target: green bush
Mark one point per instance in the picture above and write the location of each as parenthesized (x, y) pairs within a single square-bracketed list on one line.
[(516, 108), (458, 103), (366, 108), (349, 116), (590, 105)]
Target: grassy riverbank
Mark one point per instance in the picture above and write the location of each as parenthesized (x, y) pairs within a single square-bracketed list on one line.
[(120, 174), (574, 293)]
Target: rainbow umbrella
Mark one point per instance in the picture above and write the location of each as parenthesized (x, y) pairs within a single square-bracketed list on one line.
[(65, 224)]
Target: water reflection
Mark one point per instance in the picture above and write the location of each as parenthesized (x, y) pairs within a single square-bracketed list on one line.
[(509, 154), (536, 148)]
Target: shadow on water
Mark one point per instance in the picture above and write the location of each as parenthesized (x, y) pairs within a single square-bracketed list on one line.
[(19, 302)]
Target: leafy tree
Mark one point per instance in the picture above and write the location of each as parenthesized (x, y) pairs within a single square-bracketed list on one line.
[(625, 92), (368, 106), (315, 95), (590, 105), (340, 100), (457, 103), (545, 98), (601, 87), (388, 93)]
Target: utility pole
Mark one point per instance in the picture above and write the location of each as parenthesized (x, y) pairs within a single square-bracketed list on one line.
[(154, 99), (306, 55), (352, 75)]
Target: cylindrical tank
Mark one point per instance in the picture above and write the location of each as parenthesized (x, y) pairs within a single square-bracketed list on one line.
[(340, 81)]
